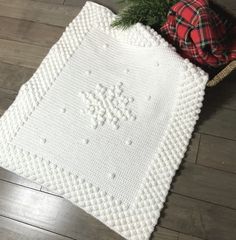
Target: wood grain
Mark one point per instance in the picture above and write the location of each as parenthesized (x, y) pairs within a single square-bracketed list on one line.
[(43, 189), (218, 115), (50, 213), (199, 219), (51, 1), (12, 230), (29, 32), (217, 153), (187, 237), (53, 14), (164, 234), (21, 54), (13, 178), (206, 184), (217, 122), (111, 4), (223, 95), (55, 214), (6, 99), (12, 76)]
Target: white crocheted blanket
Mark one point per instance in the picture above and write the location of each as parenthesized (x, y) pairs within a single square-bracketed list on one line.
[(105, 121)]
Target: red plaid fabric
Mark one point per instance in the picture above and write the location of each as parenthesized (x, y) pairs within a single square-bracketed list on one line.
[(200, 34)]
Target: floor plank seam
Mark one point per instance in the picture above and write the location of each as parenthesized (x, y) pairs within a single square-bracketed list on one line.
[(21, 65), (228, 108), (213, 135), (9, 89), (217, 169), (20, 185), (205, 201), (28, 43), (13, 64), (53, 194), (178, 237), (16, 220), (31, 21), (48, 24)]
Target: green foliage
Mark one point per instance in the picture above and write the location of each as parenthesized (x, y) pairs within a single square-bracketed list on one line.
[(148, 12)]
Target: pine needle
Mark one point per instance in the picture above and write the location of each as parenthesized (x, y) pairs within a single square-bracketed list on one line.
[(148, 12)]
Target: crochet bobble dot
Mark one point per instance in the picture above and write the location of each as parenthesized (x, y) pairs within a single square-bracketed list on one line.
[(63, 110), (43, 140), (105, 46), (111, 175), (127, 70), (88, 72), (85, 141), (128, 142), (149, 98)]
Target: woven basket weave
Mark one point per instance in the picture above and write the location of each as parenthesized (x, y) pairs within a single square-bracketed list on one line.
[(222, 74)]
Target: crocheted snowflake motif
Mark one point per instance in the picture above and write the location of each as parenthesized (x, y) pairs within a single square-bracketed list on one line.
[(107, 105)]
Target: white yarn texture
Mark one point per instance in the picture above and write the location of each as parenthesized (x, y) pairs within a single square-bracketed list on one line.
[(105, 121)]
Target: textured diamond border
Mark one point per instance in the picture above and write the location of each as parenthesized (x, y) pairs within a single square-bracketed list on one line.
[(138, 220)]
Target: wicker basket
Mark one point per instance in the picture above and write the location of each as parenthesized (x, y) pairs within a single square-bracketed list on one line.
[(222, 74)]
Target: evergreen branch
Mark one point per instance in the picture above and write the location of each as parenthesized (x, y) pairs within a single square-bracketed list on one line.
[(148, 12)]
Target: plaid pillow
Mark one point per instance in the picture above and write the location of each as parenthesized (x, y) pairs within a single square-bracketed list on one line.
[(200, 34)]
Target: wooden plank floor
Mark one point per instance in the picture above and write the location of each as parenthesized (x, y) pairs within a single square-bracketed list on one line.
[(202, 201)]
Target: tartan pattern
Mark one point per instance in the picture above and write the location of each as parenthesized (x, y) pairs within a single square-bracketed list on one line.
[(200, 34)]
